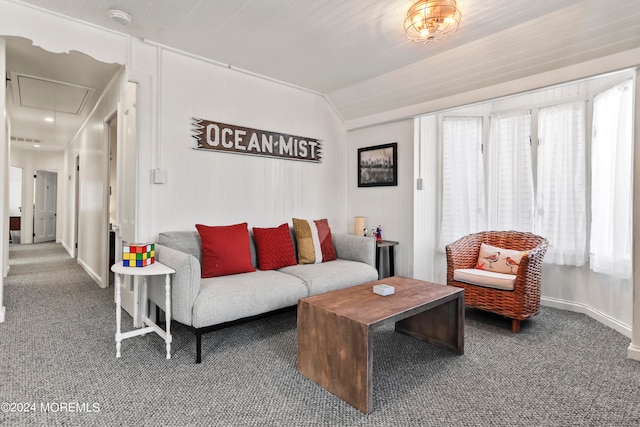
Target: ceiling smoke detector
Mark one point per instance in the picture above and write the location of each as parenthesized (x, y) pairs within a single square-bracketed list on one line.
[(119, 16)]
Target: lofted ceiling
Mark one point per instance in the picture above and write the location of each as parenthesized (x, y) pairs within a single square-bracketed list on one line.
[(355, 52)]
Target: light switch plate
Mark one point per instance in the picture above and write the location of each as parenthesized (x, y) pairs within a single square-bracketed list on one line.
[(159, 176)]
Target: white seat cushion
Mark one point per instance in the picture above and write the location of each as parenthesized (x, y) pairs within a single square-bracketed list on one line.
[(484, 278)]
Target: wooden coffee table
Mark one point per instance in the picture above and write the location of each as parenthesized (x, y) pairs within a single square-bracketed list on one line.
[(335, 345)]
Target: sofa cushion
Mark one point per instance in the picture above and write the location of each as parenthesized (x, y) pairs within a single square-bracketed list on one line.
[(499, 260), (225, 249), (332, 275), (313, 241), (484, 278), (228, 298), (274, 247)]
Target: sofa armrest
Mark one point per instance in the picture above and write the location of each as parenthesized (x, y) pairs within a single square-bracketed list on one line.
[(185, 283), (355, 248)]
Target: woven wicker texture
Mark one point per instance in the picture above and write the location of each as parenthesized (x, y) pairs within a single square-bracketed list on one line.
[(524, 300)]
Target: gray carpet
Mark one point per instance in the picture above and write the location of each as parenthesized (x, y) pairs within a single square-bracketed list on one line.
[(58, 356)]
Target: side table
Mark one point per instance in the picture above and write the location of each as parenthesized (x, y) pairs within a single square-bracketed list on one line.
[(388, 245), (154, 269)]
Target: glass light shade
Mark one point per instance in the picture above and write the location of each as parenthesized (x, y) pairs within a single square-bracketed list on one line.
[(431, 20)]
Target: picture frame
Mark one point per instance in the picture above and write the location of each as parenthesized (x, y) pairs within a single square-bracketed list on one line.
[(378, 165)]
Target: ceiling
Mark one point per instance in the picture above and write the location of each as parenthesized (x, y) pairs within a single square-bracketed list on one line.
[(355, 52), (58, 86), (322, 45)]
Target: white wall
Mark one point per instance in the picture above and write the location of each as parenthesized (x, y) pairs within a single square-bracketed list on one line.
[(605, 298), (92, 146), (15, 191), (205, 187), (390, 207), (31, 161), (4, 179), (221, 188), (59, 34), (634, 348)]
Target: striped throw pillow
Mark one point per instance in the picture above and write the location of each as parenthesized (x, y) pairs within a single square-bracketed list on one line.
[(314, 241)]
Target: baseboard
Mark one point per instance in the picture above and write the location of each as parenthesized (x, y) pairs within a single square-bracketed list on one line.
[(2, 314), (605, 319), (91, 273), (633, 352), (67, 248)]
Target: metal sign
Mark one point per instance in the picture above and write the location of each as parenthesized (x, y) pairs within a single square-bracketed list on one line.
[(228, 138)]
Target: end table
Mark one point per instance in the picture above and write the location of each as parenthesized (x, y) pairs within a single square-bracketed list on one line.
[(154, 269), (388, 245)]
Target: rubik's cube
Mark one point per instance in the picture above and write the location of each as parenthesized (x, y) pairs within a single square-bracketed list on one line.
[(138, 254)]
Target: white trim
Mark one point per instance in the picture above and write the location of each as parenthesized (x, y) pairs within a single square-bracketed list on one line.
[(591, 68), (227, 66), (66, 17), (114, 80), (2, 311), (605, 319), (230, 67), (96, 278), (66, 248), (633, 352)]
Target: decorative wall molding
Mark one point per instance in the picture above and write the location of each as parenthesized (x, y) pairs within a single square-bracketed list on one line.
[(228, 138)]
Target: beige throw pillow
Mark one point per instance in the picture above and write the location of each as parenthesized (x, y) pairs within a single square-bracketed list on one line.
[(499, 260)]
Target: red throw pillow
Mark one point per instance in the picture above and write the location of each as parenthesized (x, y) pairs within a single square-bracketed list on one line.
[(225, 250), (274, 247)]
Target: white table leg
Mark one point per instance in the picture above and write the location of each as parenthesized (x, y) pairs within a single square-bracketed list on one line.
[(118, 313), (135, 280), (167, 288), (141, 306)]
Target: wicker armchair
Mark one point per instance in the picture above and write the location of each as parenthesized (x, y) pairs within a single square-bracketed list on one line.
[(518, 304)]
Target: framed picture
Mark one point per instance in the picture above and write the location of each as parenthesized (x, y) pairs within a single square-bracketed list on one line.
[(378, 165)]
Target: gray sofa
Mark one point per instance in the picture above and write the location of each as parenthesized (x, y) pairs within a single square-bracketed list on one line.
[(213, 303)]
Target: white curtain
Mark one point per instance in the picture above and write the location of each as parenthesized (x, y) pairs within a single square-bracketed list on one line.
[(611, 187), (462, 179), (561, 211), (510, 175)]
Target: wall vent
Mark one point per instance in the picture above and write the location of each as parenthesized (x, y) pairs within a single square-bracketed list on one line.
[(29, 140)]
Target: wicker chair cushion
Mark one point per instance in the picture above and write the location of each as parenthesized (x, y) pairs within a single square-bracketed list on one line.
[(499, 260), (488, 279)]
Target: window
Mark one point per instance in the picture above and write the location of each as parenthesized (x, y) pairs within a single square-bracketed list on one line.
[(612, 175), (510, 177), (584, 209), (463, 178), (561, 202)]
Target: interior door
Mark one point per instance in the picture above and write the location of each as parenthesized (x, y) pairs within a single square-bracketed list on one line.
[(44, 217), (126, 185)]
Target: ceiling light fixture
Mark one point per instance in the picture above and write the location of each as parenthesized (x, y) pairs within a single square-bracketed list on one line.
[(48, 119), (431, 20), (119, 16)]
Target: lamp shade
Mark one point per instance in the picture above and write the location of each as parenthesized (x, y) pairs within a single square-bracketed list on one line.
[(432, 20), (358, 225)]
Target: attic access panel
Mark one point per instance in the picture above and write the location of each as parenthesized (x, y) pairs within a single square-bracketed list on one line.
[(45, 94)]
